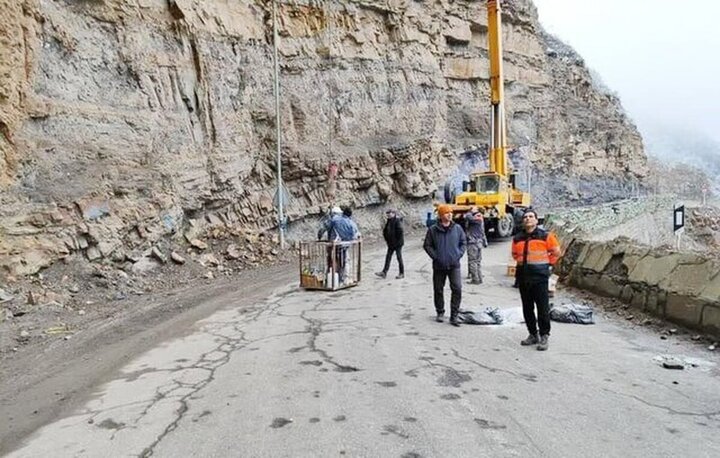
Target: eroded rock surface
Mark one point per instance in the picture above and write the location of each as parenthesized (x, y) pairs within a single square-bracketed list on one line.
[(121, 121)]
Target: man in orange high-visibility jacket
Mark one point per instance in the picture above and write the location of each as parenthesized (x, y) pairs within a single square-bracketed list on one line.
[(535, 251)]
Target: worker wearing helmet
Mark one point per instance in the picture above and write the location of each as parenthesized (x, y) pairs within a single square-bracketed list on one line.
[(535, 251)]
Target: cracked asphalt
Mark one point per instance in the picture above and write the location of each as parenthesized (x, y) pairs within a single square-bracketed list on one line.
[(367, 372)]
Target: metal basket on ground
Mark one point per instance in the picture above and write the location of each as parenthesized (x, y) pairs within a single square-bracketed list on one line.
[(330, 266)]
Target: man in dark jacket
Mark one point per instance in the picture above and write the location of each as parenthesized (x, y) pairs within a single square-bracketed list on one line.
[(395, 239), (445, 244)]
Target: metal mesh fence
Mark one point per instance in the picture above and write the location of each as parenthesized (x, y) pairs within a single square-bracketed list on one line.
[(330, 265)]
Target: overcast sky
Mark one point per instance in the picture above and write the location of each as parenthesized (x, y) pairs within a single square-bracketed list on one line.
[(661, 56)]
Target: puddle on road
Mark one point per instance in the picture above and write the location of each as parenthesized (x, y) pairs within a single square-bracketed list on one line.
[(453, 378), (109, 423), (393, 429), (341, 368), (280, 422), (485, 424)]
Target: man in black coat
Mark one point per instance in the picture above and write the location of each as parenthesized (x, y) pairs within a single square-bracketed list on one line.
[(395, 239), (445, 243)]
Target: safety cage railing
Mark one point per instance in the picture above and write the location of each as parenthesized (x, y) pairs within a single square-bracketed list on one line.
[(330, 265)]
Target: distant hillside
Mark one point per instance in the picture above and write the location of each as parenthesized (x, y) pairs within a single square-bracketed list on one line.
[(677, 145)]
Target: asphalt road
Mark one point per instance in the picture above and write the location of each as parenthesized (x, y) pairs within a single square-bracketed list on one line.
[(367, 372)]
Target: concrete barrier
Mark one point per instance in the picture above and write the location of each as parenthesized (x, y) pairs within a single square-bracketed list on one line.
[(683, 288)]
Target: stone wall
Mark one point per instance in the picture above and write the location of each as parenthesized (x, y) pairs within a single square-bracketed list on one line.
[(681, 287)]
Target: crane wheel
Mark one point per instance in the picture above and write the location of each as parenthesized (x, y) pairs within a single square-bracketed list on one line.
[(505, 226)]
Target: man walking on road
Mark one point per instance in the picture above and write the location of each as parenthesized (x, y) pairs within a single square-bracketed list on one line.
[(445, 244), (395, 239), (476, 241), (535, 251)]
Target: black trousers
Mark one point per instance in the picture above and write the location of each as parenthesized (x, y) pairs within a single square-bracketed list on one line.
[(535, 293), (439, 277), (388, 258)]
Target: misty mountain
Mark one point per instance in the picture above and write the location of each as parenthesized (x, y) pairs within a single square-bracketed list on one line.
[(679, 145)]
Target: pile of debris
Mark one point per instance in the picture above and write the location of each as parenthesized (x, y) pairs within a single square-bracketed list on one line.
[(68, 296)]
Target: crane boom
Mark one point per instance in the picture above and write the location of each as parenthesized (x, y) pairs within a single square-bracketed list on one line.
[(498, 140), (493, 191)]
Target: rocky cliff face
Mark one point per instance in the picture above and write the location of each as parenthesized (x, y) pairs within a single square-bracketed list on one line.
[(122, 122)]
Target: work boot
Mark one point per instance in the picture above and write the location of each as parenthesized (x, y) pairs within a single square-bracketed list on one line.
[(439, 318), (454, 321), (400, 276), (543, 345), (380, 274), (532, 339)]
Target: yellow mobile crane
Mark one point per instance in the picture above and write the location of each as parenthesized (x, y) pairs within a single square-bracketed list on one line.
[(494, 190)]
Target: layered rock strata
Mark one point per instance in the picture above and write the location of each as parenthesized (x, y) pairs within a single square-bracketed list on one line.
[(122, 122)]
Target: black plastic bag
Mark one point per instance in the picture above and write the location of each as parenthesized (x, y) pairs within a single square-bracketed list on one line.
[(488, 316), (572, 313)]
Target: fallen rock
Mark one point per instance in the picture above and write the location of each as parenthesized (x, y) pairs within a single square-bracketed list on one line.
[(133, 257), (233, 252), (144, 265), (24, 335), (177, 259), (712, 347), (209, 276), (157, 254), (199, 244), (209, 259), (5, 296), (52, 304)]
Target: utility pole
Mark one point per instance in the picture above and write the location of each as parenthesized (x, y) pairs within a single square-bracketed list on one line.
[(280, 203)]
